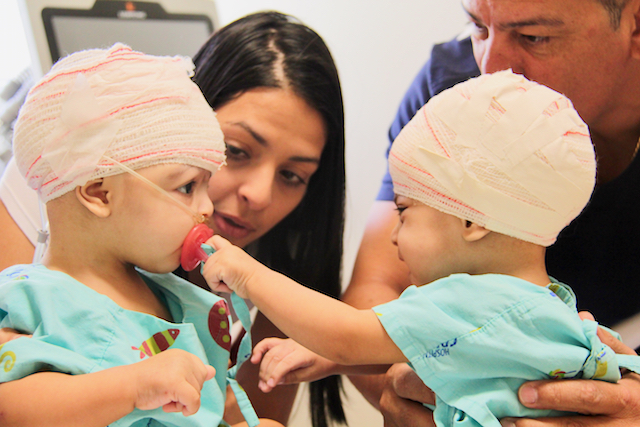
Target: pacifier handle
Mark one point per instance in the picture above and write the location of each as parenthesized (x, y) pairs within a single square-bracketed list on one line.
[(192, 254)]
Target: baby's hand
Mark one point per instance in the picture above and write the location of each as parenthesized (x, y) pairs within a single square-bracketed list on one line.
[(287, 362), (172, 379), (229, 268)]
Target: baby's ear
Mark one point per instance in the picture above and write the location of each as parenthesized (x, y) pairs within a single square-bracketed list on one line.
[(472, 232), (95, 197)]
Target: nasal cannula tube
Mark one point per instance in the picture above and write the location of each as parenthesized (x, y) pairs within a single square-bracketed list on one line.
[(43, 234), (199, 218)]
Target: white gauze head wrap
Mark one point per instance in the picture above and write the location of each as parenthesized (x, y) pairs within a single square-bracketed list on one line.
[(500, 151), (96, 105)]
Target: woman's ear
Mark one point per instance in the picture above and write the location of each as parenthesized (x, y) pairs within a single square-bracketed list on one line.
[(632, 12), (472, 232), (95, 197)]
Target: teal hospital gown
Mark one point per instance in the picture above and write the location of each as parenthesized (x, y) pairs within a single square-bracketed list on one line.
[(77, 331), (474, 340)]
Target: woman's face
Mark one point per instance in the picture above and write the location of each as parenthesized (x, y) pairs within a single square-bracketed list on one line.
[(274, 143)]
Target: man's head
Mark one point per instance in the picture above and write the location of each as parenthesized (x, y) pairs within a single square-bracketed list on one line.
[(98, 106), (501, 152), (585, 49)]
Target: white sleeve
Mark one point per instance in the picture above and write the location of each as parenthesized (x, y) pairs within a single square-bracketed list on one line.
[(21, 201)]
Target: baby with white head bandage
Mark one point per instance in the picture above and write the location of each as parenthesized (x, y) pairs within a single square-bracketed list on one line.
[(100, 106), (121, 147), (508, 154), (486, 175)]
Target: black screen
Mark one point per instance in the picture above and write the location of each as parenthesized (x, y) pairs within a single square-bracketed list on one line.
[(145, 27)]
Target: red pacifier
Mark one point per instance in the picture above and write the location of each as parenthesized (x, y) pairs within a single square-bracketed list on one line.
[(192, 253)]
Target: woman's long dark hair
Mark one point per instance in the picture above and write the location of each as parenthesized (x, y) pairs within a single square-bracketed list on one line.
[(270, 49)]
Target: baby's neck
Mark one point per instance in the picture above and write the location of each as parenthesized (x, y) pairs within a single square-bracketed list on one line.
[(536, 275), (121, 283), (515, 258)]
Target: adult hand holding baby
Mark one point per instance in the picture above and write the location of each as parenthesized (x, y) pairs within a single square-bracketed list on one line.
[(604, 404), (404, 393)]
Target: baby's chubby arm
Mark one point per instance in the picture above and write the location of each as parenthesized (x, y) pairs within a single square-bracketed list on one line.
[(284, 361), (100, 398), (320, 323)]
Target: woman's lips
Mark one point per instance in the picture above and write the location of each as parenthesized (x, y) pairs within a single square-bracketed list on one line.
[(230, 226)]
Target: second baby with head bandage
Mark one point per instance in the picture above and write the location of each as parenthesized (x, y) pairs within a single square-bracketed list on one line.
[(120, 146), (486, 175)]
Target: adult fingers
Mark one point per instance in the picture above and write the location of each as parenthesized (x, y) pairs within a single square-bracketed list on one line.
[(575, 421), (400, 401), (584, 396), (585, 315), (608, 339), (615, 344), (406, 384), (617, 405), (399, 412)]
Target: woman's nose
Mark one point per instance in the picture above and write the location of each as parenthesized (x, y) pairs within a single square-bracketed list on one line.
[(257, 190), (208, 207), (205, 205)]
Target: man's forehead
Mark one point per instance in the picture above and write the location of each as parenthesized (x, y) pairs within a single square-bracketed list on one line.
[(521, 13)]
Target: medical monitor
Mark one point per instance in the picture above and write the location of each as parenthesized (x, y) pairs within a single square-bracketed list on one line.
[(161, 27)]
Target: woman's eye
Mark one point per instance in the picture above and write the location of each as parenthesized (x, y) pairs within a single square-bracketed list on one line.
[(187, 188), (235, 152), (291, 178)]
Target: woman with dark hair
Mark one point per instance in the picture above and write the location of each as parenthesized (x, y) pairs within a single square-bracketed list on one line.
[(276, 92), (275, 88)]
